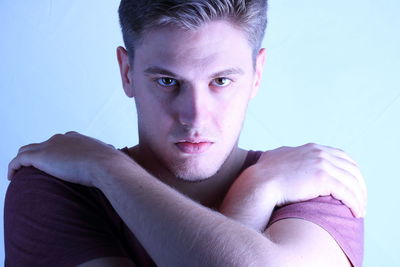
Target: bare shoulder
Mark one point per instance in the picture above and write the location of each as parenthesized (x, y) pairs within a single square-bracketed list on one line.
[(306, 242), (108, 262)]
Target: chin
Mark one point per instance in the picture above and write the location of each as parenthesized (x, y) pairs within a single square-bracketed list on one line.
[(193, 171), (194, 177)]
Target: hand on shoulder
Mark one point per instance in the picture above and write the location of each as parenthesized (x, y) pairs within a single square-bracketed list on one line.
[(72, 157), (312, 170), (293, 174)]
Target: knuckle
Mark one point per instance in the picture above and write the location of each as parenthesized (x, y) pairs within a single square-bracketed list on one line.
[(10, 164), (20, 155), (356, 167), (55, 136), (321, 175), (321, 154), (311, 145), (282, 148), (21, 149), (355, 163), (341, 150), (317, 152), (320, 163)]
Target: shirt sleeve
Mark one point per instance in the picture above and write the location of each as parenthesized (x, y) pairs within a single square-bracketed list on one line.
[(50, 222), (335, 218)]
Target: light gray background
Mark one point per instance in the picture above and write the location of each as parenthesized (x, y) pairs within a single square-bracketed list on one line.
[(332, 77)]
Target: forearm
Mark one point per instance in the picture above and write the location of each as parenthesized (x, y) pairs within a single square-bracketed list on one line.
[(177, 231), (246, 201)]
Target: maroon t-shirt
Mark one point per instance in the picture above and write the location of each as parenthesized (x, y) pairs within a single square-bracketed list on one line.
[(50, 222)]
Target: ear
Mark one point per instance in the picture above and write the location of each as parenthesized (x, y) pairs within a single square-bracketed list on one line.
[(260, 60), (124, 68)]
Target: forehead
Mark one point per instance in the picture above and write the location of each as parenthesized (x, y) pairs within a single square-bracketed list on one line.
[(213, 46)]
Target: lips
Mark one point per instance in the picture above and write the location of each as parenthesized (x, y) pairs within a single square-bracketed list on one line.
[(193, 147)]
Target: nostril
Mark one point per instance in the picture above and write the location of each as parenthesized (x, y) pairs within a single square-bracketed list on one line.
[(192, 106)]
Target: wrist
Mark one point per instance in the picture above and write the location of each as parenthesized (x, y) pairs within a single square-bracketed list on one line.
[(251, 199), (269, 183), (115, 166)]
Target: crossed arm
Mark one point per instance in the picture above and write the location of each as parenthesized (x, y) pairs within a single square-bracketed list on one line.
[(178, 231)]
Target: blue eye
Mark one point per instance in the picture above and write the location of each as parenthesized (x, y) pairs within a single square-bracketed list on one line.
[(167, 82), (221, 82)]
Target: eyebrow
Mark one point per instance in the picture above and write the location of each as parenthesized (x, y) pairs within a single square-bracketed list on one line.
[(158, 70), (227, 72)]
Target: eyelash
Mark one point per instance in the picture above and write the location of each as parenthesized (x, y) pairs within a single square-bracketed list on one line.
[(175, 82), (223, 78), (164, 78)]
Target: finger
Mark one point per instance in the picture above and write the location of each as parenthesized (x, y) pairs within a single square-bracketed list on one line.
[(12, 167), (346, 196), (71, 132), (339, 153), (354, 169), (348, 181), (347, 166), (28, 147), (22, 159), (324, 151)]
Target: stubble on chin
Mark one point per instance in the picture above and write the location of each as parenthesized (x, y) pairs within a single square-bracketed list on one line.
[(193, 170), (190, 172), (196, 169)]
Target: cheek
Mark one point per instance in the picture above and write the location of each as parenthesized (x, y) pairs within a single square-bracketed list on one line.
[(153, 115), (232, 114)]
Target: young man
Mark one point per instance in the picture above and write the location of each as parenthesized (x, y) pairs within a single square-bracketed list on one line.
[(186, 195)]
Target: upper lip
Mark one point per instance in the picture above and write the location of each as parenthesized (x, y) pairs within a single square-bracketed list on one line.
[(194, 140)]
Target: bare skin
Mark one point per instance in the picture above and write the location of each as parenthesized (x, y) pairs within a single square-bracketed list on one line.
[(124, 182), (173, 121)]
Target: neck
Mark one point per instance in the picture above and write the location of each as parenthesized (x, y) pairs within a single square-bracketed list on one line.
[(209, 192)]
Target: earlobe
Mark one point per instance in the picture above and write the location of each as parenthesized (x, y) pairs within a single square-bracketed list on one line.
[(125, 68), (260, 60)]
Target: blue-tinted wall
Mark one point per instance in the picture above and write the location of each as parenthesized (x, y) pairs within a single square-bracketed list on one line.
[(331, 77)]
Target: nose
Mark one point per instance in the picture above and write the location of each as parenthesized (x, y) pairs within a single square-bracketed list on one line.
[(194, 107)]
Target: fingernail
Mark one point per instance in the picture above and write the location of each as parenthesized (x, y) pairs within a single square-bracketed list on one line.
[(362, 214), (359, 214), (356, 214)]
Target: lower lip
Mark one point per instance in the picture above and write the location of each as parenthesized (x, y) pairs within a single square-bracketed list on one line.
[(193, 148)]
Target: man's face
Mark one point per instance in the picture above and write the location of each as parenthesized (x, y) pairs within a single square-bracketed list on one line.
[(191, 90)]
